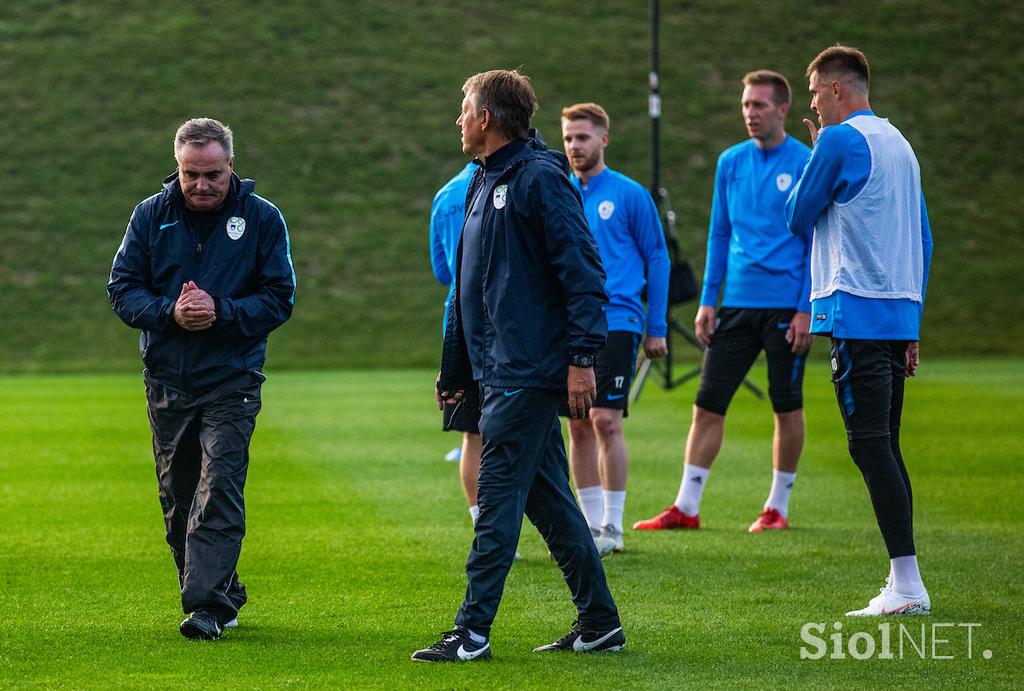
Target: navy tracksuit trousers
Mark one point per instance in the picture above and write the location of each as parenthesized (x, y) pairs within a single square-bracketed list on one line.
[(524, 469), (201, 448)]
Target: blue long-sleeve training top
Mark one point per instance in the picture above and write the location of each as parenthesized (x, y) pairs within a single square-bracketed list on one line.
[(624, 221), (749, 245), (836, 172), (447, 213)]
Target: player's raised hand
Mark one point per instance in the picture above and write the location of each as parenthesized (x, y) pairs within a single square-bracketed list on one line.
[(813, 129)]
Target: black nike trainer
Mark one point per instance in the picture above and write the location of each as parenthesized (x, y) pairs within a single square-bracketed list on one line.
[(581, 640), (201, 626), (454, 646)]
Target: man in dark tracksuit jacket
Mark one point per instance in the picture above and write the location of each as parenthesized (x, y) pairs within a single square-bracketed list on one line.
[(526, 322), (205, 272)]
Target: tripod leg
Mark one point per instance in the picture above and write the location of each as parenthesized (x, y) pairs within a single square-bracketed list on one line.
[(753, 388), (642, 371)]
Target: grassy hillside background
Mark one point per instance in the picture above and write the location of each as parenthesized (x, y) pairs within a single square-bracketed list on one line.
[(344, 114)]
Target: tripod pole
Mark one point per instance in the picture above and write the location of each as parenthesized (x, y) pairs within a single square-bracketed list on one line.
[(654, 110), (654, 103), (662, 202)]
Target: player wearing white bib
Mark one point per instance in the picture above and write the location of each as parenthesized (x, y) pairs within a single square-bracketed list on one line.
[(860, 195)]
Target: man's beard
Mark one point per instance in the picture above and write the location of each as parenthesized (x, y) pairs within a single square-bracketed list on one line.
[(589, 163)]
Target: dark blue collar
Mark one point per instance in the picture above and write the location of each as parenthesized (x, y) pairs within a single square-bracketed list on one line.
[(503, 156)]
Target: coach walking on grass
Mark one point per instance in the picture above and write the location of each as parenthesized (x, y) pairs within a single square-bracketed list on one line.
[(860, 196), (205, 272), (525, 323)]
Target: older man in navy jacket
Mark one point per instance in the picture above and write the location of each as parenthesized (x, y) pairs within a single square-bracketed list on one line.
[(525, 324), (205, 272)]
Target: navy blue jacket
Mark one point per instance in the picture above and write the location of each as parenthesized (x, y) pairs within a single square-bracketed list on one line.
[(250, 276), (543, 284)]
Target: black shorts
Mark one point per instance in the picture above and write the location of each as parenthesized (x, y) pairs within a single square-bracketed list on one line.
[(740, 335), (613, 369), (869, 378), (464, 416)]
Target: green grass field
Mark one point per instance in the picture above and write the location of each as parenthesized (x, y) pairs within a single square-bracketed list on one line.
[(358, 534)]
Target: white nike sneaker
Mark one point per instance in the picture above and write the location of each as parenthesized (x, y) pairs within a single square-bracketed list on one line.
[(888, 602), (610, 532), (604, 547)]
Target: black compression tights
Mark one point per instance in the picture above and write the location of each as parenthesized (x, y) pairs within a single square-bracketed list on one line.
[(881, 463)]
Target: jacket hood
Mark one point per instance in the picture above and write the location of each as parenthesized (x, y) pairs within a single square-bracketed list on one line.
[(240, 189), (536, 144), (535, 148)]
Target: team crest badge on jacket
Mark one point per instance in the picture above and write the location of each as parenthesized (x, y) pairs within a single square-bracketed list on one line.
[(606, 209), (783, 181), (235, 227), (500, 196)]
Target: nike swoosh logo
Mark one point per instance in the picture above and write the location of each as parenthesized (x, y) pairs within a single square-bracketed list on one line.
[(615, 397), (909, 608), (471, 654), (512, 393), (581, 647), (783, 325), (168, 225)]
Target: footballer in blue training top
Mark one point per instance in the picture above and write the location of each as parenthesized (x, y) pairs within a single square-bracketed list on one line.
[(447, 215), (764, 303), (624, 221), (447, 212)]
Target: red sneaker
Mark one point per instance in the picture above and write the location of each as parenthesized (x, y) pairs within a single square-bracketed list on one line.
[(669, 519), (770, 519)]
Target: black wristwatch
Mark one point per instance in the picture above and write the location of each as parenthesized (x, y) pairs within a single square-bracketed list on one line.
[(585, 360)]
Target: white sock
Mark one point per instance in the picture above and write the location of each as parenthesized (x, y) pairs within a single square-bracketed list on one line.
[(782, 485), (906, 578), (691, 489), (474, 512), (592, 503), (477, 638), (614, 504)]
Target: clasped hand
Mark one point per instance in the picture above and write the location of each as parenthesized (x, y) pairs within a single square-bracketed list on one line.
[(194, 309)]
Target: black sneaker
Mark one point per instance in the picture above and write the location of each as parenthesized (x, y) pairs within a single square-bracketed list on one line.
[(581, 640), (201, 626), (454, 646)]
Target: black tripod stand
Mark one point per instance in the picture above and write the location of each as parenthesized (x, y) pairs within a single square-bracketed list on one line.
[(682, 289), (682, 283)]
